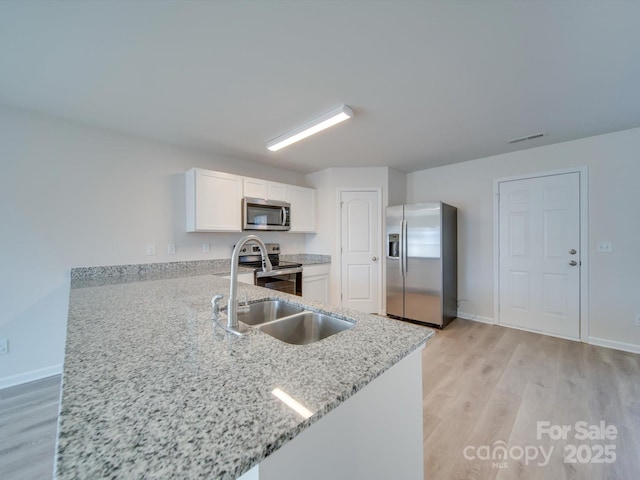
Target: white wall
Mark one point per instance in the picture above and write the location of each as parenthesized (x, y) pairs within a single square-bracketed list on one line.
[(73, 195), (613, 163), (397, 187)]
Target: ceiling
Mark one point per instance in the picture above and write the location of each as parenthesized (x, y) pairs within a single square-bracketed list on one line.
[(430, 83)]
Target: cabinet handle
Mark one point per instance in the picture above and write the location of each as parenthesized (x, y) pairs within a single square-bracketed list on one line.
[(374, 258), (573, 263)]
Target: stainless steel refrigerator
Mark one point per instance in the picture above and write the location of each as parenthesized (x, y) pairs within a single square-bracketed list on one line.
[(422, 262)]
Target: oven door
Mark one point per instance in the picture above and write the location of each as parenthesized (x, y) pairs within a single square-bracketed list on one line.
[(281, 281)]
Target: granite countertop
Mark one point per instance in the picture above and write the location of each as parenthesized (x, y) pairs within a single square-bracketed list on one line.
[(152, 389), (306, 258), (115, 274)]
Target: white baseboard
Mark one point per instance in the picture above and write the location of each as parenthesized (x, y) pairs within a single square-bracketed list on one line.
[(603, 342), (31, 376), (475, 318)]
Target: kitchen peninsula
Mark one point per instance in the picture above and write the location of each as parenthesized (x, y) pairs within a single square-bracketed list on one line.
[(152, 389)]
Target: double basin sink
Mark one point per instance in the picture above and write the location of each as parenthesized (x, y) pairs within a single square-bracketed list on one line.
[(291, 323)]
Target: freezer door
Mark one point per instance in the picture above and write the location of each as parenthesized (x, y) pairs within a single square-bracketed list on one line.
[(423, 276), (395, 285)]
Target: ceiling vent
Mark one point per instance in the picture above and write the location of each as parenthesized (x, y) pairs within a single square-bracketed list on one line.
[(528, 137)]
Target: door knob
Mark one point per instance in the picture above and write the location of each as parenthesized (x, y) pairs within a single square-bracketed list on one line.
[(573, 251), (573, 263), (374, 258)]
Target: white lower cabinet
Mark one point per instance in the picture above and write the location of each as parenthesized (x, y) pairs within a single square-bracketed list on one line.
[(315, 282)]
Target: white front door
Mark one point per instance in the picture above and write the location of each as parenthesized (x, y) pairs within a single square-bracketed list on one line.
[(539, 254), (360, 246)]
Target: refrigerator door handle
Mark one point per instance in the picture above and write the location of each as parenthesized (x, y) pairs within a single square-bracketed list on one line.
[(403, 248)]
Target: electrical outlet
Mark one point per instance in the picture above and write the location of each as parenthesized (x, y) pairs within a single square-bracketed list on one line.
[(4, 346), (604, 247), (206, 248), (637, 320), (171, 249), (151, 249)]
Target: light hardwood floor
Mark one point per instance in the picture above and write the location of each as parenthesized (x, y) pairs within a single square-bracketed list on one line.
[(488, 386), (482, 385), (28, 422)]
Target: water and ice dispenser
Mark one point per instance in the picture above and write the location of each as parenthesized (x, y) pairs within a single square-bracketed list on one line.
[(393, 250)]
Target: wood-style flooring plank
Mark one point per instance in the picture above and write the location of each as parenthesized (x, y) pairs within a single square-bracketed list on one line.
[(534, 378), (28, 422)]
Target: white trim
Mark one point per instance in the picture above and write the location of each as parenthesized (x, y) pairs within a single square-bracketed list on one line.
[(603, 342), (31, 376), (381, 219), (475, 318), (540, 332), (584, 242)]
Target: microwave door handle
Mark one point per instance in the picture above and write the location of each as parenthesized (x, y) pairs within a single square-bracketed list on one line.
[(283, 216)]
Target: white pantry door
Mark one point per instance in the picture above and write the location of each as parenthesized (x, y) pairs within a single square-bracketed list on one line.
[(360, 246), (539, 254)]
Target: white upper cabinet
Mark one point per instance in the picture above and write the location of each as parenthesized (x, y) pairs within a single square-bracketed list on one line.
[(276, 191), (257, 188), (213, 201), (303, 208)]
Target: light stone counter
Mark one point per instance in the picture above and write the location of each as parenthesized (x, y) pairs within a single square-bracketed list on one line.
[(306, 258), (152, 390)]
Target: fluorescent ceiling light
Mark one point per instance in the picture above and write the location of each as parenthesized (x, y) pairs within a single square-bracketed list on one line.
[(321, 123)]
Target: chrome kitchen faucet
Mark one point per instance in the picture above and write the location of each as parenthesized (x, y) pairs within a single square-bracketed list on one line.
[(232, 309)]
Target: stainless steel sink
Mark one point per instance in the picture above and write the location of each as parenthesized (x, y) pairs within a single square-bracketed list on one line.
[(304, 328), (267, 311)]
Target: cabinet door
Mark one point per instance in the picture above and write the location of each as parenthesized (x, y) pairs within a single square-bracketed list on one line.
[(315, 282), (277, 191), (316, 288), (303, 208), (255, 188), (213, 201)]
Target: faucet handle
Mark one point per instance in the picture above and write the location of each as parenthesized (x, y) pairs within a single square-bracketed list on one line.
[(214, 303)]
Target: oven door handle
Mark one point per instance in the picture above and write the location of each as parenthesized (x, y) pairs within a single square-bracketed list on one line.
[(275, 273)]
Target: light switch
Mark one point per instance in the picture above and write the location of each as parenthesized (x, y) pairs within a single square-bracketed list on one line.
[(151, 249), (604, 247), (206, 248), (171, 249)]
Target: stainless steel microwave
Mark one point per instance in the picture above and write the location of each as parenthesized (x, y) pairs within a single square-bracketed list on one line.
[(259, 214)]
